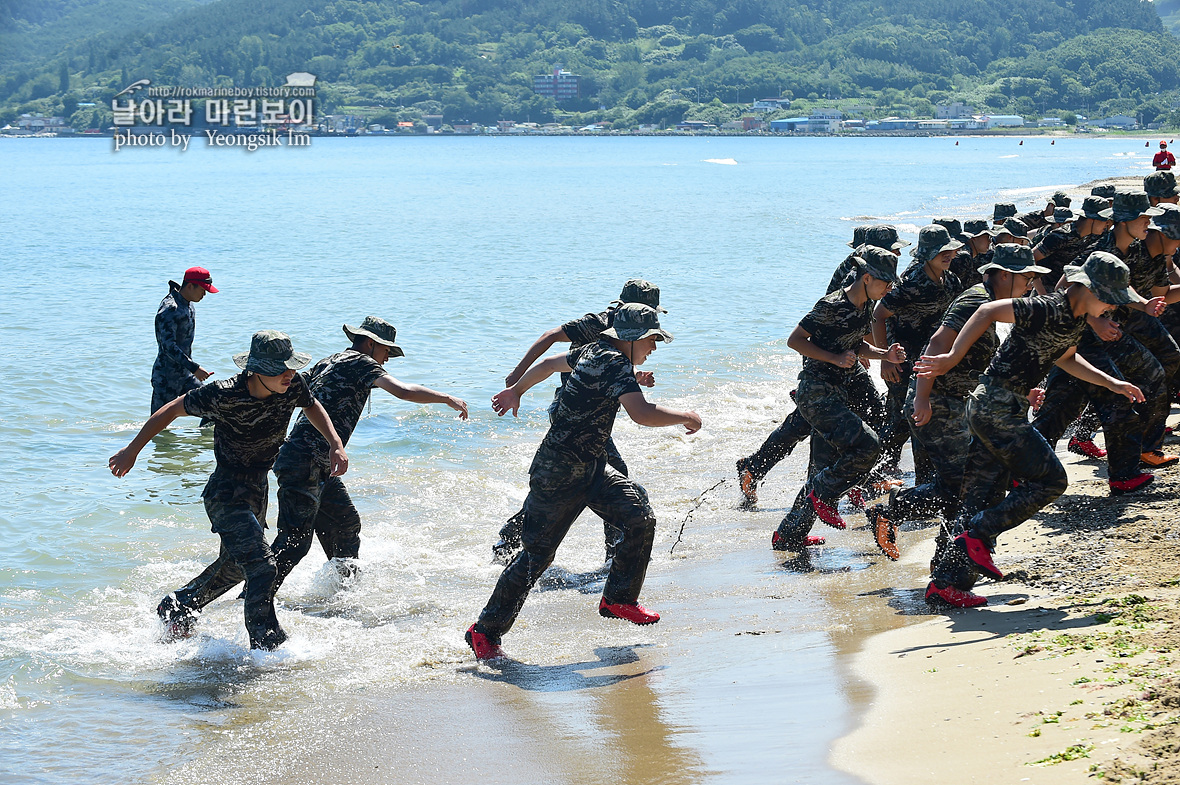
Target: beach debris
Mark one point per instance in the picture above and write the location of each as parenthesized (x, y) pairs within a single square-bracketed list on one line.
[(1018, 601), (699, 501)]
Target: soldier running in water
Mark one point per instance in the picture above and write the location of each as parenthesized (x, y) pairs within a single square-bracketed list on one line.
[(844, 448), (250, 414), (570, 473), (311, 499), (579, 332)]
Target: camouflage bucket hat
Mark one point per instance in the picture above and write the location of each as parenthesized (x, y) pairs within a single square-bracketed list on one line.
[(1104, 191), (1161, 185), (858, 235), (879, 263), (379, 331), (1014, 227), (1013, 258), (1097, 208), (1002, 211), (1129, 205), (933, 240), (1107, 277), (640, 291), (271, 355), (1168, 222), (953, 226), (1061, 199), (636, 321), (1062, 215), (976, 227), (884, 236)]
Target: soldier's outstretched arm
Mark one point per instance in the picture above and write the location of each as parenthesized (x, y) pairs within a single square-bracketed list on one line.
[(539, 347), (509, 398), (987, 315), (416, 393), (644, 412), (1075, 365), (122, 461)]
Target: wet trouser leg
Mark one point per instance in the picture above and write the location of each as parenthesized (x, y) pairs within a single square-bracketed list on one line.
[(167, 390), (338, 525), (1065, 399), (1170, 321), (244, 556), (896, 431), (558, 492), (301, 485), (1155, 338), (510, 532), (999, 425), (848, 451), (945, 438), (782, 440)]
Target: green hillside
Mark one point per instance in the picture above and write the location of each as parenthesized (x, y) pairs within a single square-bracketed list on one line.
[(641, 61)]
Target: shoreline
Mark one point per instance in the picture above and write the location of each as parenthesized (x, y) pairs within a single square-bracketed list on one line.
[(1068, 672)]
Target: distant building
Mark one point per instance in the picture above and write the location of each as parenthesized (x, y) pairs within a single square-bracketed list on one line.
[(770, 104), (40, 124), (505, 126), (791, 125), (966, 124), (695, 125), (893, 124), (1002, 121), (1050, 122), (953, 111), (560, 85), (1120, 121)]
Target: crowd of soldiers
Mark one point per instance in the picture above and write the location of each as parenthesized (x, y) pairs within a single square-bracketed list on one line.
[(1090, 345)]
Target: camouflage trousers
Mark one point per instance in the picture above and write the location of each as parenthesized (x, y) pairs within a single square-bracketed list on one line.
[(311, 502), (166, 389), (863, 398), (946, 439), (1170, 320), (844, 450), (611, 532), (1151, 333), (896, 430), (1124, 427), (1004, 446), (559, 490), (236, 506)]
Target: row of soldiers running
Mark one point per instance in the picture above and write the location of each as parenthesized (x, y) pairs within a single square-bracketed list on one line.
[(575, 467), (1084, 292)]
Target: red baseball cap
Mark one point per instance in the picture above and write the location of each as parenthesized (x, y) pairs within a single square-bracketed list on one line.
[(201, 277)]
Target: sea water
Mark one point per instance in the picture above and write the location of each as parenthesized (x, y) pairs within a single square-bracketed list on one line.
[(472, 247)]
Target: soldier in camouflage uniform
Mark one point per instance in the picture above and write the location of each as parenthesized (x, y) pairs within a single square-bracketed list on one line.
[(250, 412), (909, 315), (1004, 444), (831, 338), (937, 407), (969, 259), (311, 499), (580, 332), (1128, 433), (864, 398), (569, 472), (175, 372), (1161, 188), (1073, 235)]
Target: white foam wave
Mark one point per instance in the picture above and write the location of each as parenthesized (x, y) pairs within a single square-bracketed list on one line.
[(724, 161)]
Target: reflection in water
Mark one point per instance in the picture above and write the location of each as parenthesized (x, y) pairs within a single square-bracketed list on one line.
[(184, 456)]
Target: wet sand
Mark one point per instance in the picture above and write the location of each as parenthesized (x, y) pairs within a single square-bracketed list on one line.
[(1067, 674)]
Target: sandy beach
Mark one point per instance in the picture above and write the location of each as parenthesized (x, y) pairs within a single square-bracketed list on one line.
[(1067, 674)]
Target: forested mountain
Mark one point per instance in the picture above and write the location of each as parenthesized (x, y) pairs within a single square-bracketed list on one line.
[(641, 61)]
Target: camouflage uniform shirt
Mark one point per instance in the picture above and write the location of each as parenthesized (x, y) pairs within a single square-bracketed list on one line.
[(844, 271), (1060, 248), (1044, 329), (176, 322), (918, 304), (341, 383), (835, 325), (959, 381), (247, 431), (584, 413), (966, 266)]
